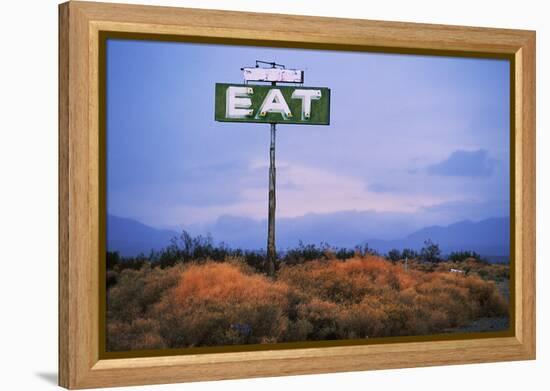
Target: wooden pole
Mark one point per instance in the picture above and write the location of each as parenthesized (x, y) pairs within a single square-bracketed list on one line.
[(271, 253)]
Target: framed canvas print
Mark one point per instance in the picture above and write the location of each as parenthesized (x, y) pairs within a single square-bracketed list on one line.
[(247, 195)]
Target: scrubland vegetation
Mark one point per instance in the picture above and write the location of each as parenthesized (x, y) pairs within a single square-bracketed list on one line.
[(196, 296)]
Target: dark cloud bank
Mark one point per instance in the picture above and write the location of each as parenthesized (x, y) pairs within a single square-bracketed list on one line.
[(465, 164)]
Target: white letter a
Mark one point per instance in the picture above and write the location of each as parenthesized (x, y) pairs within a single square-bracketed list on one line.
[(274, 102)]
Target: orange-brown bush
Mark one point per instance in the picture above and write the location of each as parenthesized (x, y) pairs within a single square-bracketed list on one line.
[(212, 304), (221, 304), (370, 297), (130, 324)]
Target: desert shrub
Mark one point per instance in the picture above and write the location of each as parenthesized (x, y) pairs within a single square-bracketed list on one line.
[(473, 266), (137, 290), (399, 319), (463, 298), (459, 256), (112, 259), (111, 278), (409, 253), (130, 302), (183, 249), (312, 252), (304, 253), (368, 296), (133, 335), (394, 255), (344, 282), (209, 303), (332, 281), (486, 298), (222, 304), (363, 320), (322, 316), (363, 250), (430, 252)]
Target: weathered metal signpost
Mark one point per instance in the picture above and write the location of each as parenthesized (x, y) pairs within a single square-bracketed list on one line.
[(273, 104)]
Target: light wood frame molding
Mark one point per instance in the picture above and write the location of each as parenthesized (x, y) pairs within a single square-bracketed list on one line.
[(80, 24)]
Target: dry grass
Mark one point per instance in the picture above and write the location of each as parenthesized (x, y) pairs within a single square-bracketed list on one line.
[(213, 304)]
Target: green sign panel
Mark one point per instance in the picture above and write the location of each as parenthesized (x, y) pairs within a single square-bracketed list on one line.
[(272, 104)]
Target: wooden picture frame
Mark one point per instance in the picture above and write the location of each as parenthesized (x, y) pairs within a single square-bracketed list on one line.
[(80, 199)]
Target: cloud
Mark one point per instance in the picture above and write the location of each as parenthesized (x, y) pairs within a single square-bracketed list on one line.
[(465, 164), (381, 188), (470, 209), (321, 190), (301, 189)]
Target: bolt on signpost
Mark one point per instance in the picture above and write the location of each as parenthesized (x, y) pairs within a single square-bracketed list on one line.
[(273, 104)]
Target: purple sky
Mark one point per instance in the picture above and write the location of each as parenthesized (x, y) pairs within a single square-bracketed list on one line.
[(413, 140)]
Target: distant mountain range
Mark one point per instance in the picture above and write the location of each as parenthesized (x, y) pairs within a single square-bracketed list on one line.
[(489, 237), (130, 237)]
